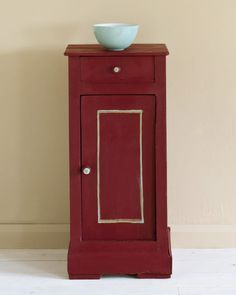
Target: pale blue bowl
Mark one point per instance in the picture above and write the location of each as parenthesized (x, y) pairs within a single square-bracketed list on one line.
[(115, 36)]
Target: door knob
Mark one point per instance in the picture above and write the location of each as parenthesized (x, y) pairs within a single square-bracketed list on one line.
[(86, 170), (116, 69)]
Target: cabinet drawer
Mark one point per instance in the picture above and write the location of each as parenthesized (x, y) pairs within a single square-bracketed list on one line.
[(118, 69)]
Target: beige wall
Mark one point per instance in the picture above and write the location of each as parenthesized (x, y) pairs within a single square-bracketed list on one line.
[(201, 113)]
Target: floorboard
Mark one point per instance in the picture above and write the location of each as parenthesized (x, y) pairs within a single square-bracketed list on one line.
[(43, 272)]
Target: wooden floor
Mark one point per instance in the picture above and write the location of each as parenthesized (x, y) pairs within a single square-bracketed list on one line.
[(195, 272)]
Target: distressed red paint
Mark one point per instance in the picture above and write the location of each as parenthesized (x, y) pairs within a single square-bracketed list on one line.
[(118, 129)]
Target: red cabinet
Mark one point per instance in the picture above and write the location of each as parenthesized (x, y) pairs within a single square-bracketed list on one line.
[(118, 162)]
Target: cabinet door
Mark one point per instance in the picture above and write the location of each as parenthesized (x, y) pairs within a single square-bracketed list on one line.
[(118, 144)]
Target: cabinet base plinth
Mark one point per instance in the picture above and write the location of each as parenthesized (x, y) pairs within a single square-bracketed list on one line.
[(152, 276), (139, 276), (84, 277), (139, 259)]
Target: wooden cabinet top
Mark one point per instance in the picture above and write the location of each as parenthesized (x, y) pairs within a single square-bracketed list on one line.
[(98, 50)]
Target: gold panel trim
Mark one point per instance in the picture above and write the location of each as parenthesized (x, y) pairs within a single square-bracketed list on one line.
[(120, 220)]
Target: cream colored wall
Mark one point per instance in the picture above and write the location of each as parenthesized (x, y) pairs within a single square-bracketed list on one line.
[(201, 113)]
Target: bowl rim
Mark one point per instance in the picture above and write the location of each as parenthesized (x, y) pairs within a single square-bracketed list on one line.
[(114, 25)]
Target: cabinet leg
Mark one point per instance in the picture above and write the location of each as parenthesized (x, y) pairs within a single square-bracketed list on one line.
[(152, 276), (84, 277)]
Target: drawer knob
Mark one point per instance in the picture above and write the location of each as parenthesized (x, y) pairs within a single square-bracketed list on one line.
[(86, 170), (116, 69)]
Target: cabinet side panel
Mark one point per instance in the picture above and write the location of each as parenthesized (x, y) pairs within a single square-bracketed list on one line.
[(75, 155), (161, 156)]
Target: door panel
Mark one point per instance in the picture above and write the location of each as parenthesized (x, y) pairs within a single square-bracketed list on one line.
[(118, 196), (118, 135)]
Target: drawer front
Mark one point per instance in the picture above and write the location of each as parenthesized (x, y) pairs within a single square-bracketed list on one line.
[(118, 69)]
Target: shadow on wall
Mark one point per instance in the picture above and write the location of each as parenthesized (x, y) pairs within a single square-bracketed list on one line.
[(34, 84)]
